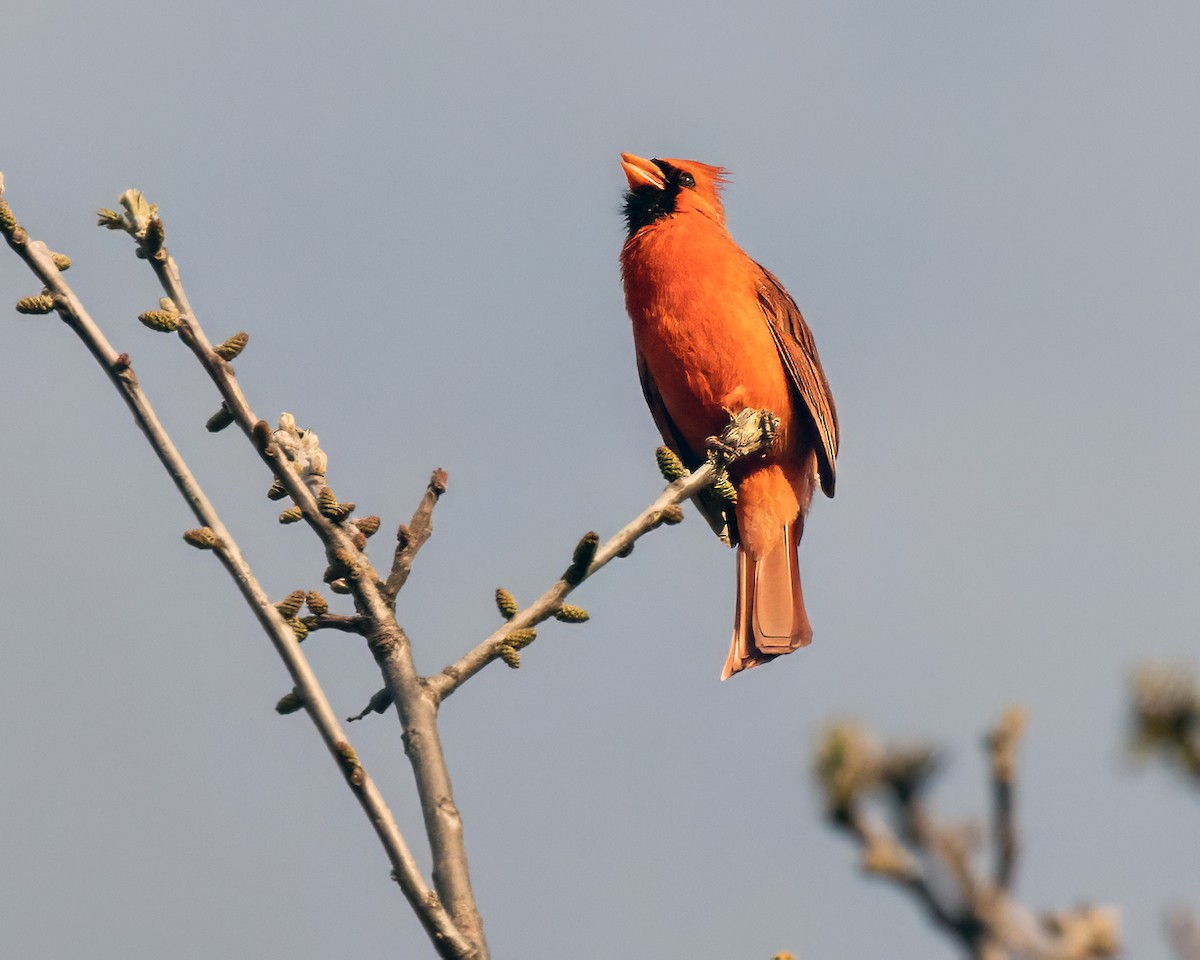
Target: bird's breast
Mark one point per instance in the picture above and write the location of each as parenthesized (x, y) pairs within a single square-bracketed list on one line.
[(697, 324)]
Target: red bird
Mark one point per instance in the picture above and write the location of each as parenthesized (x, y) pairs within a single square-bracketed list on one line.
[(716, 333)]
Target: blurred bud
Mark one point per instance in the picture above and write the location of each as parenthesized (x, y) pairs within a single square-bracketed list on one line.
[(261, 434), (316, 603), (725, 489), (219, 420), (509, 655), (671, 514), (8, 222), (669, 464), (61, 261), (1166, 715), (908, 769), (110, 219), (1087, 932), (368, 525), (506, 603), (138, 211), (581, 559), (233, 346), (276, 491), (289, 703), (847, 763), (202, 538), (43, 303), (291, 515), (520, 639), (299, 628), (1002, 742), (339, 586), (160, 320), (885, 856), (155, 234), (290, 605), (569, 614)]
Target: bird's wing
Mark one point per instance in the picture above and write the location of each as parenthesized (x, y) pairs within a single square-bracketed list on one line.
[(716, 510), (799, 354)]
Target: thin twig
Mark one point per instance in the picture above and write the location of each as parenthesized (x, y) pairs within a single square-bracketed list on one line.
[(438, 924), (335, 621), (410, 538), (452, 677)]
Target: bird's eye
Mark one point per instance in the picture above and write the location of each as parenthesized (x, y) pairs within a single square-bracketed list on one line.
[(687, 180)]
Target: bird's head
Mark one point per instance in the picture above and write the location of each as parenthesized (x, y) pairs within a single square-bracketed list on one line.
[(664, 188)]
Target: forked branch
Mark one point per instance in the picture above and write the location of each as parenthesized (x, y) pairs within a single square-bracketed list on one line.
[(213, 535)]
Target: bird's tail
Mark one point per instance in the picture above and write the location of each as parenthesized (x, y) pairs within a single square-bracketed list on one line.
[(770, 619)]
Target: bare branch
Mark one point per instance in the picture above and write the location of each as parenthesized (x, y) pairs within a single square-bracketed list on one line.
[(442, 930), (549, 603), (417, 708), (334, 621), (410, 539)]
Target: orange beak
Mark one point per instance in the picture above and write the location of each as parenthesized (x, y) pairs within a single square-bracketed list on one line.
[(641, 172)]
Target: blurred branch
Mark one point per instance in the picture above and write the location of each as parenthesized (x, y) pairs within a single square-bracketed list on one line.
[(1002, 749), (935, 860), (1183, 930), (214, 536)]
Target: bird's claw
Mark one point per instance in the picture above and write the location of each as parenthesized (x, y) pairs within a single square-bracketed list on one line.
[(749, 431)]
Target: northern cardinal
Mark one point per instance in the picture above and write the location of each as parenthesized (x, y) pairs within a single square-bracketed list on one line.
[(716, 333)]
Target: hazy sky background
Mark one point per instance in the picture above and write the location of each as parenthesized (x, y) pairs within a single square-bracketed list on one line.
[(988, 213)]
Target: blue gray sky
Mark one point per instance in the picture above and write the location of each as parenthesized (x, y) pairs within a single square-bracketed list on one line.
[(988, 213)]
